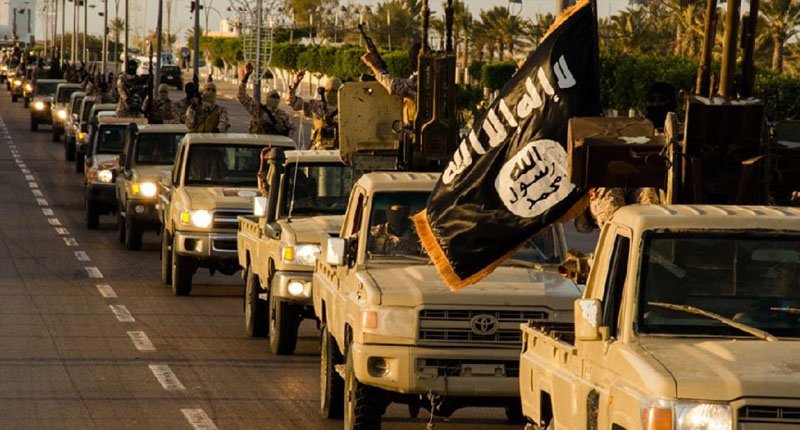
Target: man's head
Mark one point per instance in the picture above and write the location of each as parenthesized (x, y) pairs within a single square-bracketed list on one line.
[(398, 219), (273, 100), (163, 92), (130, 67), (190, 89), (413, 55), (209, 93), (332, 85)]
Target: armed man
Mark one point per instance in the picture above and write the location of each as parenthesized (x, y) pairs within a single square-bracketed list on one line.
[(324, 112), (131, 88), (162, 110), (396, 235), (190, 89), (207, 116), (267, 118)]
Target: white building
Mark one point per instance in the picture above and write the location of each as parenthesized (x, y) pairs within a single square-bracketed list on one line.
[(25, 11)]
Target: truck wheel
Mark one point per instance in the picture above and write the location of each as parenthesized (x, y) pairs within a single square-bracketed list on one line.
[(362, 407), (284, 320), (26, 102), (92, 216), (14, 98), (514, 414), (69, 150), (79, 160), (56, 134), (34, 125), (133, 235), (182, 271), (331, 385), (166, 258), (255, 310), (120, 227)]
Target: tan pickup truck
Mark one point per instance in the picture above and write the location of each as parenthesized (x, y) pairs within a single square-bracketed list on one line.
[(690, 320), (393, 332), (212, 183), (278, 249)]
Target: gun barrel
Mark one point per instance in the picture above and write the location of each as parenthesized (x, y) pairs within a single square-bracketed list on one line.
[(448, 15)]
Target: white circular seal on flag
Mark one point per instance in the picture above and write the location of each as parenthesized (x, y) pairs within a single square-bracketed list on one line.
[(535, 179)]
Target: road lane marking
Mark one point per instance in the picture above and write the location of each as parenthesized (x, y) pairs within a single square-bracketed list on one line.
[(166, 378), (122, 313), (37, 193), (106, 291), (42, 202), (29, 178), (141, 341), (33, 185), (53, 221), (62, 231), (198, 419), (93, 272), (70, 241), (48, 212), (25, 171), (82, 256)]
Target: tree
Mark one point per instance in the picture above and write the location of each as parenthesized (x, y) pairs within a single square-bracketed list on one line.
[(783, 22), (502, 31), (116, 26)]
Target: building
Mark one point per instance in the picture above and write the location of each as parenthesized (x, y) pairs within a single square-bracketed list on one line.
[(20, 14)]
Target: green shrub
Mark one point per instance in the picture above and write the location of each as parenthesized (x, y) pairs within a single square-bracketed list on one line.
[(474, 69), (495, 75)]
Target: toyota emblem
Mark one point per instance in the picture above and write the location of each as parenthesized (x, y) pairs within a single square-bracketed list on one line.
[(484, 325)]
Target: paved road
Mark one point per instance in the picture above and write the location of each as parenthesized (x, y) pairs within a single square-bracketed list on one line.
[(90, 338)]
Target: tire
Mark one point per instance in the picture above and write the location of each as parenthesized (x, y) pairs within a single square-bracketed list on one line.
[(14, 98), (362, 403), (79, 160), (133, 234), (92, 217), (69, 150), (331, 384), (284, 320), (166, 258), (56, 135), (256, 321), (120, 227), (34, 125), (182, 271)]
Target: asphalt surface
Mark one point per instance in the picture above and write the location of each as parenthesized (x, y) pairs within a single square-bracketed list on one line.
[(90, 339)]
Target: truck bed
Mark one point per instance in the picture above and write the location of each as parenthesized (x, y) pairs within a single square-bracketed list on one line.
[(247, 237)]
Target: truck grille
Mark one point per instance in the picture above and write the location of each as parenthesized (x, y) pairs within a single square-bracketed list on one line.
[(475, 326), (455, 367), (228, 219), (770, 414)]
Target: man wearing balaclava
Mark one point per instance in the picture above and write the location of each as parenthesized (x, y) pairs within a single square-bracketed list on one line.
[(132, 90), (183, 104), (205, 115), (395, 236), (324, 112), (267, 118), (163, 110)]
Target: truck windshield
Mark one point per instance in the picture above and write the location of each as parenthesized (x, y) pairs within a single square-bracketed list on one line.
[(76, 104), (544, 248), (314, 189), (87, 107), (223, 165), (63, 95), (391, 233), (157, 148), (752, 279), (109, 139), (46, 88)]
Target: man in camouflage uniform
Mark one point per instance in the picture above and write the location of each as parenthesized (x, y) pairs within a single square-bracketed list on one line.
[(183, 104), (395, 236), (131, 90), (267, 118), (603, 202), (405, 88), (323, 112), (163, 110), (207, 116)]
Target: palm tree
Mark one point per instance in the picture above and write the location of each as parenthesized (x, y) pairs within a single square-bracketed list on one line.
[(505, 29), (116, 27), (462, 29), (537, 28), (783, 21)]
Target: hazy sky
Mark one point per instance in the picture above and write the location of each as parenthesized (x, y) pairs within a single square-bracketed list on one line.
[(143, 12)]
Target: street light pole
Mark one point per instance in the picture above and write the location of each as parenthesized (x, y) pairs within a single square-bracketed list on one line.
[(159, 33), (85, 28), (127, 11), (196, 58), (105, 36), (259, 25), (74, 39), (63, 28)]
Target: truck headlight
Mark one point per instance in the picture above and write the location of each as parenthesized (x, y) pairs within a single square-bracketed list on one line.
[(199, 218), (301, 254), (28, 87), (297, 288), (390, 321), (144, 189), (105, 176), (38, 105), (17, 83), (81, 135), (686, 415), (62, 114)]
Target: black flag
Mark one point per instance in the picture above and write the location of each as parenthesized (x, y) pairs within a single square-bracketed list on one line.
[(508, 179)]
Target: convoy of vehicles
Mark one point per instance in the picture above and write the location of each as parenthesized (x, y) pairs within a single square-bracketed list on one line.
[(44, 91), (213, 181), (278, 249)]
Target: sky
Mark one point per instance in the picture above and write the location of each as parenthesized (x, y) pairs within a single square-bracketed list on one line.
[(143, 12)]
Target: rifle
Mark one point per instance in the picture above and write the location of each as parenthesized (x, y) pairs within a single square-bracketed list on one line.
[(371, 46)]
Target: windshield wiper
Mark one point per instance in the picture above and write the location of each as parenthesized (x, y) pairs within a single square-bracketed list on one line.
[(761, 334), (523, 263)]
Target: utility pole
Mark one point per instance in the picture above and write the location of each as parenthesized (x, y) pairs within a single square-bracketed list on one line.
[(127, 11), (74, 39), (258, 72), (63, 28), (85, 28), (196, 58), (159, 37), (105, 36)]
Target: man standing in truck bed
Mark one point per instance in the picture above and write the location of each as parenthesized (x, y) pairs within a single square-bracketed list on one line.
[(207, 116), (267, 118)]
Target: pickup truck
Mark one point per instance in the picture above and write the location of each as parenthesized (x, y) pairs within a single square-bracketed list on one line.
[(690, 320), (278, 250), (148, 150), (71, 124), (102, 162), (213, 181), (42, 101), (85, 131), (393, 332), (61, 105)]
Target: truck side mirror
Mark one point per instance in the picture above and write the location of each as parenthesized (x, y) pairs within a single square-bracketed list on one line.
[(336, 251), (588, 317), (259, 206)]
